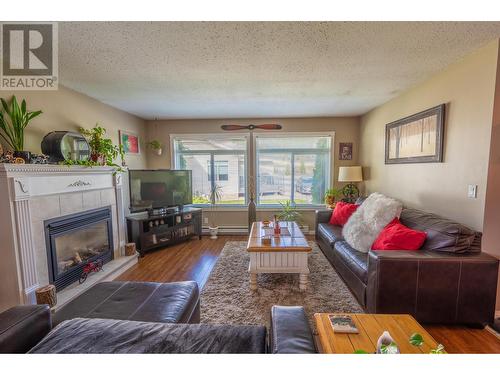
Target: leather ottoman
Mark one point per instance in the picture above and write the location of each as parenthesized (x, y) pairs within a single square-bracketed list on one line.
[(140, 301)]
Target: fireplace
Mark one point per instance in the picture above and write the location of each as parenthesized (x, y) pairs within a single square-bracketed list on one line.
[(76, 240)]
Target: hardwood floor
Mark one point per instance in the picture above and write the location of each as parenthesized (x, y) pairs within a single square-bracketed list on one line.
[(193, 260)]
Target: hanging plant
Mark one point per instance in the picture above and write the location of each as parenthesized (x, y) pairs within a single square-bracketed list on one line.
[(156, 146)]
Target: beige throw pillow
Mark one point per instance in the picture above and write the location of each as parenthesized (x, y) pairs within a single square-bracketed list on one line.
[(366, 223)]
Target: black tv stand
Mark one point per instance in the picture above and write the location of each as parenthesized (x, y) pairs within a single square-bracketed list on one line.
[(150, 232), (160, 211)]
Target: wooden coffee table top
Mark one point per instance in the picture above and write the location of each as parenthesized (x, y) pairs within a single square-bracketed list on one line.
[(370, 327), (292, 240)]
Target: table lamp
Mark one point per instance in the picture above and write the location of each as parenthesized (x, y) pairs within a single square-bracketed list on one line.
[(350, 175)]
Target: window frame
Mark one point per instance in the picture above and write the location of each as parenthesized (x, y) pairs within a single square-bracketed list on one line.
[(329, 179), (212, 153)]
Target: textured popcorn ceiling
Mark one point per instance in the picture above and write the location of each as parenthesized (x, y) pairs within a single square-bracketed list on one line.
[(244, 69)]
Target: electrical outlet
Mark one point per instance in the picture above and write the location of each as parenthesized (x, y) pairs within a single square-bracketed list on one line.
[(472, 191), (205, 220)]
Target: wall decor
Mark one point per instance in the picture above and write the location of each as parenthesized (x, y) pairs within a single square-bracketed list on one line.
[(345, 151), (417, 138), (129, 142)]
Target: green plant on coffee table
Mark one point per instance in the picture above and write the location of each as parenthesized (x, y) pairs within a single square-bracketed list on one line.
[(416, 339), (14, 118), (289, 212)]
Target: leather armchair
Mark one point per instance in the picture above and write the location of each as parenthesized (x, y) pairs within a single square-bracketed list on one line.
[(22, 327), (290, 332)]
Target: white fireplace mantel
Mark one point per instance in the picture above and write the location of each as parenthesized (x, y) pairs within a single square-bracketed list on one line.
[(32, 193)]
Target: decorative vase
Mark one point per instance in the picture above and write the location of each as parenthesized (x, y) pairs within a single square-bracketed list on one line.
[(97, 158), (159, 151), (330, 202), (385, 340), (252, 213), (25, 155), (213, 232)]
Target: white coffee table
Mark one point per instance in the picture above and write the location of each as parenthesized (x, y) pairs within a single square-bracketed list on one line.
[(284, 254)]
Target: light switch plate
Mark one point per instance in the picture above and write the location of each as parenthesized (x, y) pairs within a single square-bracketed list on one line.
[(472, 191)]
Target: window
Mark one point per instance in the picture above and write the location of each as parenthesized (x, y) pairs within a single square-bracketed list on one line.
[(292, 167), (221, 170), (214, 160)]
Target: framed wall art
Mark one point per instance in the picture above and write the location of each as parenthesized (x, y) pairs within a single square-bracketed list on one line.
[(130, 142), (417, 138), (345, 151)]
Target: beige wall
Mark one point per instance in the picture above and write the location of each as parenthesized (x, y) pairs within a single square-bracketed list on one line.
[(491, 232), (66, 109), (346, 130), (467, 88)]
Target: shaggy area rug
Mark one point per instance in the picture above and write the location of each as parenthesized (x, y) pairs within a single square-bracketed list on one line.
[(226, 298)]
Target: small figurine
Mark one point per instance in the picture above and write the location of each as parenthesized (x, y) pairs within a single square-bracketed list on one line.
[(90, 267)]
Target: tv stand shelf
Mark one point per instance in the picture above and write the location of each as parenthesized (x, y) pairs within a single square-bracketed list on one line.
[(154, 232)]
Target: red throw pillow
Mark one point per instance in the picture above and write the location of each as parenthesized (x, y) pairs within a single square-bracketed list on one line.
[(342, 212), (396, 236)]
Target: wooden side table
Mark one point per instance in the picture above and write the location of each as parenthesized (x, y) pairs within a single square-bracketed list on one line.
[(370, 327)]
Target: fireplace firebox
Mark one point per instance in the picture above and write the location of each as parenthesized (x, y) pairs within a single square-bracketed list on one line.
[(75, 240)]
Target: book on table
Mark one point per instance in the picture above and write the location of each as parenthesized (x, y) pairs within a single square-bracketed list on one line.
[(342, 323)]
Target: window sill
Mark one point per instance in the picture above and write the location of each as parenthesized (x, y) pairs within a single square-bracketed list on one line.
[(259, 208)]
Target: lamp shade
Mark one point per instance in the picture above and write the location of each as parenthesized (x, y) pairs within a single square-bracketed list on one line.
[(350, 174)]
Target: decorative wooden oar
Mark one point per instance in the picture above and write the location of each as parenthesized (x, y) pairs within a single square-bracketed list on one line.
[(251, 127)]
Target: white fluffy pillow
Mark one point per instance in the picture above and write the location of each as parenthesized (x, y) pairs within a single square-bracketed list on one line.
[(366, 223)]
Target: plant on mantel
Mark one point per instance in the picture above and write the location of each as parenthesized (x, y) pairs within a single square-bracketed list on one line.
[(102, 150), (14, 118)]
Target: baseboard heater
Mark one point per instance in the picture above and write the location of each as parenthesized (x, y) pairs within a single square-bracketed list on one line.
[(230, 229)]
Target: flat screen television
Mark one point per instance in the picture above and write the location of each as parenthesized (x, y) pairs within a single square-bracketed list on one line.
[(159, 188)]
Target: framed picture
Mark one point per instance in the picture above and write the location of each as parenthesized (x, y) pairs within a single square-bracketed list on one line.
[(345, 151), (129, 142), (417, 138)]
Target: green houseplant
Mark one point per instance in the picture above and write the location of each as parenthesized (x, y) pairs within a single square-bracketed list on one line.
[(102, 149), (156, 146), (14, 118), (331, 196), (289, 212)]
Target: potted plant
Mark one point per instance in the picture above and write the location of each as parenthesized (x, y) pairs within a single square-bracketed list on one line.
[(102, 150), (215, 197), (331, 196), (289, 212), (156, 146), (13, 120)]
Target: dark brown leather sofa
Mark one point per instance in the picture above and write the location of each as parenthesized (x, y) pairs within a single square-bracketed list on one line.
[(134, 317), (448, 281)]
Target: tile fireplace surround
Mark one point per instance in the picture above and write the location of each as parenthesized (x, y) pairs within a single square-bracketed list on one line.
[(31, 194)]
